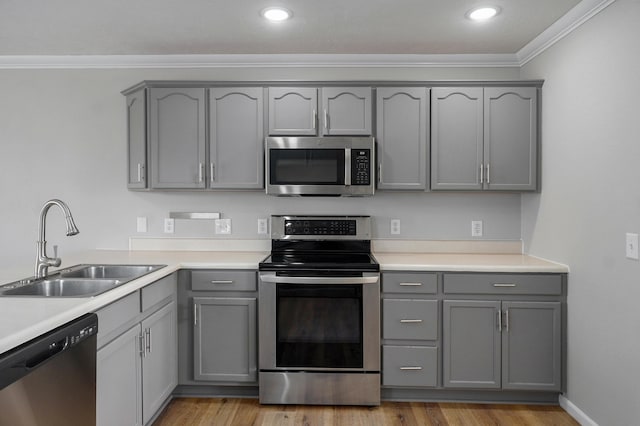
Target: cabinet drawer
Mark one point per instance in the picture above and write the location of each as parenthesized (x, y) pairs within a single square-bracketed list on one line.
[(113, 317), (409, 366), (410, 282), (158, 291), (503, 284), (410, 319), (223, 280)]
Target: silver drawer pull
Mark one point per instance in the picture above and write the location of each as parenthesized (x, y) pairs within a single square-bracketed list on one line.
[(411, 284), (410, 368), (504, 285), (404, 321), (222, 282)]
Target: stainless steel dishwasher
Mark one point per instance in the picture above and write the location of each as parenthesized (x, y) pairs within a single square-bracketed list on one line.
[(51, 380)]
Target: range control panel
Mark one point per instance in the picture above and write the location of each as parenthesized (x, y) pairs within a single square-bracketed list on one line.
[(320, 227)]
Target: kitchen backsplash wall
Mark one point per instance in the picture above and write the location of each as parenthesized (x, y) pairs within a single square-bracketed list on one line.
[(62, 135)]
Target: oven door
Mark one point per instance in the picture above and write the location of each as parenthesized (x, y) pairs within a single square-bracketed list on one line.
[(318, 323)]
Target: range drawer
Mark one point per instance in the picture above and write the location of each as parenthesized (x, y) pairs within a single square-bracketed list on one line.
[(224, 280), (502, 284), (408, 319), (410, 282), (410, 366)]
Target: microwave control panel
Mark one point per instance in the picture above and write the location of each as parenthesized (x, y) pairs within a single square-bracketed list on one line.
[(360, 167)]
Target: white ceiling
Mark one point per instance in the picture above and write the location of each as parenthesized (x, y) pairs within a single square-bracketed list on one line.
[(220, 27)]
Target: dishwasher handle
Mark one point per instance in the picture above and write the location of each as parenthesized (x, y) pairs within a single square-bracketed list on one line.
[(54, 349)]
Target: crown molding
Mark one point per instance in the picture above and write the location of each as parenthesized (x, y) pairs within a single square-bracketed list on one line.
[(564, 26), (256, 61), (577, 16)]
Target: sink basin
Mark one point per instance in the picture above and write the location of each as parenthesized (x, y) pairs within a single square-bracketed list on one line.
[(110, 271), (78, 281), (62, 287)]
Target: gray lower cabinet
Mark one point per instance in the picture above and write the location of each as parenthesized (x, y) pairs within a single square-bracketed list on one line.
[(137, 140), (136, 369), (236, 153), (295, 111), (504, 343), (484, 138), (402, 134), (177, 137), (410, 330)]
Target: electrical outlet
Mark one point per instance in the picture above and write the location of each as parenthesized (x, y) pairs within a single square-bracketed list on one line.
[(223, 226), (169, 225), (141, 224), (263, 228), (395, 226), (632, 246), (476, 228)]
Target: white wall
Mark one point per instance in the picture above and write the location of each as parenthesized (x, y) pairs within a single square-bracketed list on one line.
[(62, 134), (590, 197)]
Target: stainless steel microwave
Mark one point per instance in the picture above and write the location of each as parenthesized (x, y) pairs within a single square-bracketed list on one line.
[(331, 166)]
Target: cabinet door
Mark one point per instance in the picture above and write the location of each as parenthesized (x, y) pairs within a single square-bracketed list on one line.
[(293, 111), (236, 138), (118, 378), (159, 363), (346, 111), (137, 140), (177, 137), (471, 344), (402, 122), (531, 342), (510, 138), (225, 339), (456, 138)]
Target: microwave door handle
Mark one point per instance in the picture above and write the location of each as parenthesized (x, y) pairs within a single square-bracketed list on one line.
[(347, 167), (318, 280)]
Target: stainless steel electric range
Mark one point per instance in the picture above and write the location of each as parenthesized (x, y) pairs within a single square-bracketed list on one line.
[(319, 313)]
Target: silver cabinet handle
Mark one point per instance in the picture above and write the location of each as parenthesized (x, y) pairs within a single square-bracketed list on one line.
[(506, 320), (200, 172), (481, 173), (314, 118), (410, 368), (488, 173), (504, 285), (222, 282), (318, 280), (143, 352), (326, 119), (139, 172), (212, 171), (195, 314), (380, 172), (405, 321), (499, 320), (411, 284), (148, 336)]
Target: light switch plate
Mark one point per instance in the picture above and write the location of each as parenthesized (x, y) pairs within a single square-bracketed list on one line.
[(632, 246), (169, 225), (141, 224), (223, 226), (395, 227), (263, 228), (476, 228)]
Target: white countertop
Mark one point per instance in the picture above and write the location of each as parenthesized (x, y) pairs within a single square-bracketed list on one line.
[(24, 318)]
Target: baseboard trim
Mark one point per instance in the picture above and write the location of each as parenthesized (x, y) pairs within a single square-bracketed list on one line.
[(575, 412)]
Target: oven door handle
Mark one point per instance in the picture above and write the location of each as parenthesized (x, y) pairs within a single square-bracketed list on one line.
[(318, 280)]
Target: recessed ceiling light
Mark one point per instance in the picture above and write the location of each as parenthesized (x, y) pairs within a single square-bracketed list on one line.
[(483, 13), (276, 14)]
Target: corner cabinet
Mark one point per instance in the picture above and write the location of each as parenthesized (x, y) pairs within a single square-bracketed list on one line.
[(402, 132), (136, 370), (484, 138), (343, 111)]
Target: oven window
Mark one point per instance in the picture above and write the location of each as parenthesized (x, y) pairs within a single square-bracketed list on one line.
[(306, 166), (319, 326)]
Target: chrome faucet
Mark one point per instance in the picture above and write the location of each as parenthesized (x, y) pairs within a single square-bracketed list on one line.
[(42, 260)]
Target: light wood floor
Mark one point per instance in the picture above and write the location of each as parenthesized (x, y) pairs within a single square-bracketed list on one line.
[(247, 412)]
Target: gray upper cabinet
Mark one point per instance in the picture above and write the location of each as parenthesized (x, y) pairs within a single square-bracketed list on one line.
[(484, 138), (510, 135), (177, 137), (137, 140), (456, 138), (293, 111), (236, 154), (402, 132), (346, 111)]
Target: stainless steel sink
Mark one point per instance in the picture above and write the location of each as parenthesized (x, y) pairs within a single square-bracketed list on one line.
[(62, 287), (78, 281)]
